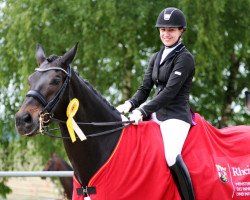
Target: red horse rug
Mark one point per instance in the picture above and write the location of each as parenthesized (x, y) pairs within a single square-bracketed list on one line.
[(218, 161)]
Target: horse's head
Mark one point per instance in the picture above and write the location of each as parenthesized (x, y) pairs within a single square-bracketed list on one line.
[(55, 163), (47, 84), (51, 164)]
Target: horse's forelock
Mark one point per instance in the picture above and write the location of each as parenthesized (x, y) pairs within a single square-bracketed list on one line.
[(52, 58)]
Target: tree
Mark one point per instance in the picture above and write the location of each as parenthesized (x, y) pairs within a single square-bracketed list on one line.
[(218, 36)]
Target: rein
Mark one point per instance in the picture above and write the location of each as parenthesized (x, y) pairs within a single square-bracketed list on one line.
[(48, 106), (44, 130), (47, 132)]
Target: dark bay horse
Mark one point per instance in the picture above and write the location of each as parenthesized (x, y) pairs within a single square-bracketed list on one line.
[(52, 86), (56, 163), (208, 152)]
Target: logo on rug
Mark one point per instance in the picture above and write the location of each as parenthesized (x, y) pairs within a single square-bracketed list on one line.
[(222, 173)]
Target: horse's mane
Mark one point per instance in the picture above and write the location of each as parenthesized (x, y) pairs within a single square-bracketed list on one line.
[(97, 93)]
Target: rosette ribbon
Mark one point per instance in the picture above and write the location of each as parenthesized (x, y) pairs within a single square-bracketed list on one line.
[(71, 124)]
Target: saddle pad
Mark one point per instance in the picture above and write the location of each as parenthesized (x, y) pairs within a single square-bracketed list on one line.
[(218, 161)]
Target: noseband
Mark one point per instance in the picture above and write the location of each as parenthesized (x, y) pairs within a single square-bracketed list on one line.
[(48, 106)]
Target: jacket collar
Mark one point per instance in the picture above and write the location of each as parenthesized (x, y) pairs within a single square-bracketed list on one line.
[(179, 48)]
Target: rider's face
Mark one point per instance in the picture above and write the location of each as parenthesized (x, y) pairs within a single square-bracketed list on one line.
[(169, 36)]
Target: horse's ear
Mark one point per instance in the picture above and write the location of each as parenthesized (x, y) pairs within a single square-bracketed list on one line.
[(40, 55), (68, 57)]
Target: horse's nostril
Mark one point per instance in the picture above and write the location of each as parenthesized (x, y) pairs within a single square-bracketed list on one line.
[(27, 118), (22, 119)]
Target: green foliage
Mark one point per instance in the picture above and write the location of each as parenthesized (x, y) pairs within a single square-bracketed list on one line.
[(4, 190), (217, 36)]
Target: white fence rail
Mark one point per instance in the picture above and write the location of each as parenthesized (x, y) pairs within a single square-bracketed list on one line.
[(36, 173)]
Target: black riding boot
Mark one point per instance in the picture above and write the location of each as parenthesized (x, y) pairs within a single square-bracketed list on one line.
[(182, 179)]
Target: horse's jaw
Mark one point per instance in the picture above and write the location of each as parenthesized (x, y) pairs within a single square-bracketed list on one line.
[(27, 131), (32, 133)]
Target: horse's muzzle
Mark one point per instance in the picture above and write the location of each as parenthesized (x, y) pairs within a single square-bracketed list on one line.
[(25, 124)]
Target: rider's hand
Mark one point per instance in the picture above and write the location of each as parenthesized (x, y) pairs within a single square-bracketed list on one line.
[(136, 116), (124, 108)]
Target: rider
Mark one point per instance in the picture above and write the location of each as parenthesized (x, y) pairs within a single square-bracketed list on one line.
[(171, 69)]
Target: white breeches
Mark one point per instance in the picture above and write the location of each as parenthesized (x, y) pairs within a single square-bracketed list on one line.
[(174, 133)]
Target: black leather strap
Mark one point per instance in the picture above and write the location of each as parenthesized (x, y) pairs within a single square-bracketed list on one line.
[(86, 191), (38, 96), (48, 106)]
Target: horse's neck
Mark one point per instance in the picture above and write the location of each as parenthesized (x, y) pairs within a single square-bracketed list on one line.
[(88, 156), (93, 107), (67, 184), (64, 166)]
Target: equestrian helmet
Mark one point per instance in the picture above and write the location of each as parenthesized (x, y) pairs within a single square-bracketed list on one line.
[(171, 17)]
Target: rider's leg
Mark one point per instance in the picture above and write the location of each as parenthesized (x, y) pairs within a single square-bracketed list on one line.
[(174, 133)]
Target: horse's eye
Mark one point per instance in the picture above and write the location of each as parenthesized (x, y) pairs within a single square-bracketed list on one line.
[(55, 81)]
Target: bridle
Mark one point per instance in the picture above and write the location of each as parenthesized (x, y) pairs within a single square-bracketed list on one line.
[(48, 106), (46, 115)]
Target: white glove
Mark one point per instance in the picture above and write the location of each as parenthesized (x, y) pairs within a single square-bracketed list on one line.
[(136, 116), (124, 108)]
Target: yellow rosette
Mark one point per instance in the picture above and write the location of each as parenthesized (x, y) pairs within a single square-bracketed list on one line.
[(71, 124)]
